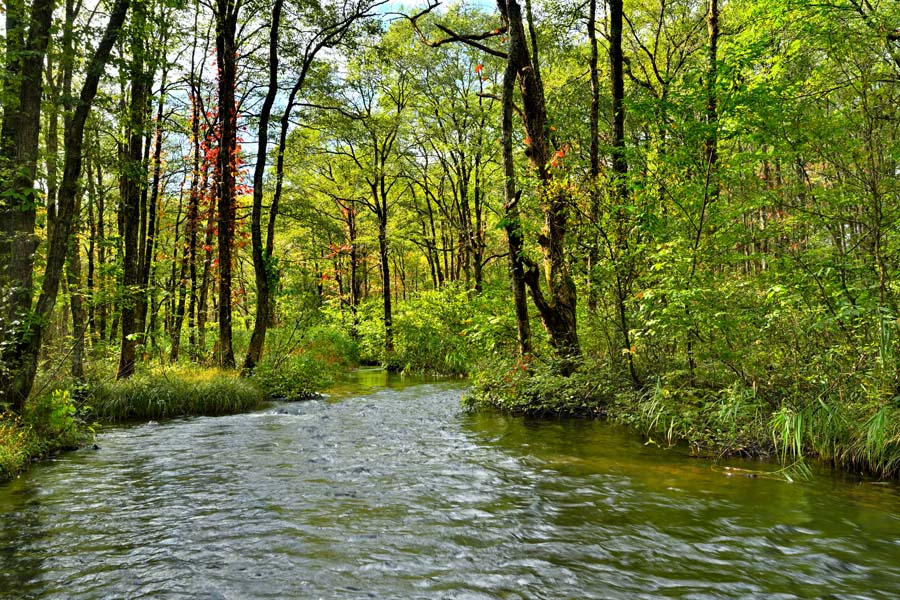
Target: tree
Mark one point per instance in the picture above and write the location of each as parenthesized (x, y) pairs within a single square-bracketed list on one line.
[(28, 35), (327, 28), (557, 307), (226, 17), (24, 349), (368, 130), (132, 186)]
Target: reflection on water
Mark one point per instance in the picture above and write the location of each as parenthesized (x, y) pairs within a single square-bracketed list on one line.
[(386, 489)]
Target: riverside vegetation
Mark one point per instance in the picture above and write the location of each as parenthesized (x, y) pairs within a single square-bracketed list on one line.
[(682, 216)]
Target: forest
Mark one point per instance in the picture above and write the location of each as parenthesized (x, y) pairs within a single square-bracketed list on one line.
[(680, 215)]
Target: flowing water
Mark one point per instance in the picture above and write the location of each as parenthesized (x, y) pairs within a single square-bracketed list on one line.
[(388, 490)]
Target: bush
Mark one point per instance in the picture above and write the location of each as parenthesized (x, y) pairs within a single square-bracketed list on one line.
[(439, 332), (49, 423), (54, 416), (17, 445), (524, 386), (298, 369)]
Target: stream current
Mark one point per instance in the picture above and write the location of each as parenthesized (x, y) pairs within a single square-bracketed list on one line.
[(387, 489)]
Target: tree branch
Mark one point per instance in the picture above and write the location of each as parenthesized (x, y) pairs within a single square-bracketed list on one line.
[(470, 39)]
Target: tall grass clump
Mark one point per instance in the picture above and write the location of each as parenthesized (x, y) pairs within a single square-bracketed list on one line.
[(167, 392), (713, 422), (860, 435)]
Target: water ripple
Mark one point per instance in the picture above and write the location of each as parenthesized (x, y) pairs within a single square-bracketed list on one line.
[(398, 494)]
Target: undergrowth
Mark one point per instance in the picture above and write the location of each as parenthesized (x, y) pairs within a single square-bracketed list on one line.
[(298, 368), (856, 432), (50, 423), (527, 386)]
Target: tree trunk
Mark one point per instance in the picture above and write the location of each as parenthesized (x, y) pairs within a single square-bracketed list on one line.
[(711, 152), (226, 25), (92, 247), (18, 206), (594, 168), (712, 109), (203, 296), (511, 206), (263, 269), (133, 180), (76, 301), (103, 309), (557, 309), (623, 269), (180, 279), (355, 279), (27, 349), (148, 241), (385, 280)]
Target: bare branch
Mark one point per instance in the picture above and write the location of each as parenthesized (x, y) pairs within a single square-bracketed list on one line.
[(499, 99), (452, 37)]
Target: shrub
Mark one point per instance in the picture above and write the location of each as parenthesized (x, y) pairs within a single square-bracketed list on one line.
[(54, 416), (300, 368), (528, 387), (49, 423), (17, 445), (441, 332)]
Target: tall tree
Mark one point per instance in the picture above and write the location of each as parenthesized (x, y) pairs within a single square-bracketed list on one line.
[(619, 244), (28, 34), (133, 183), (328, 28), (594, 153), (226, 17), (26, 347), (369, 132), (557, 309), (262, 264)]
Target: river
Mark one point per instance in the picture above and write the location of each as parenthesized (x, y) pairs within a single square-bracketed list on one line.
[(387, 489)]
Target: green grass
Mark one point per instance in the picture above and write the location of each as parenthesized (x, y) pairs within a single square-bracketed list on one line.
[(165, 393)]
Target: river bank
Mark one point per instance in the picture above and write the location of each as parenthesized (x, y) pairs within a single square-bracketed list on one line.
[(712, 423), (67, 418), (738, 420)]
